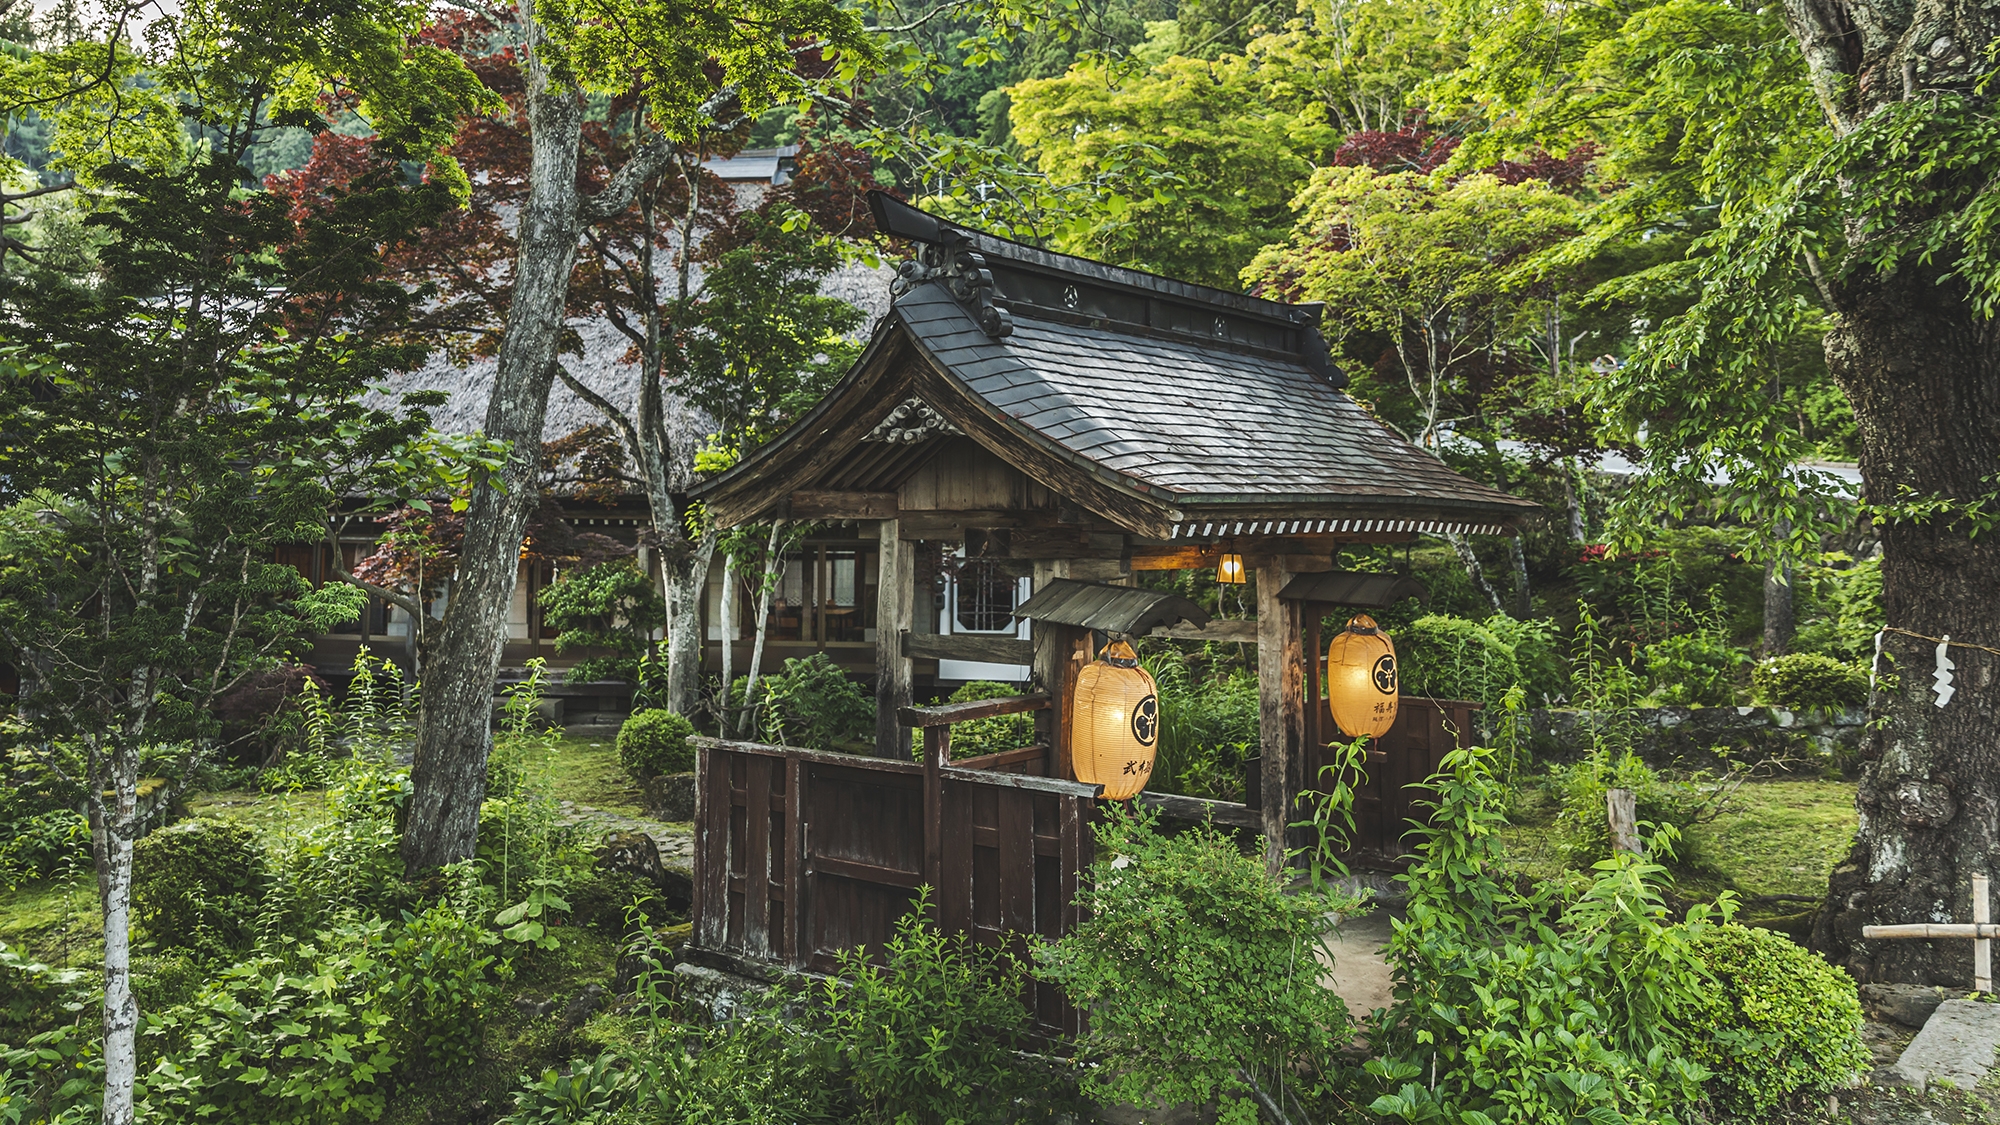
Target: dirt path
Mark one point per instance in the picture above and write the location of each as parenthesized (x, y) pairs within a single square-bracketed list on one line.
[(1360, 974)]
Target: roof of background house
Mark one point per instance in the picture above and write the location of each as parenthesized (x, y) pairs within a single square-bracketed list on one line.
[(1221, 413), (755, 165)]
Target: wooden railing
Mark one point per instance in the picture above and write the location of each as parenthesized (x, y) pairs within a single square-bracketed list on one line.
[(801, 854)]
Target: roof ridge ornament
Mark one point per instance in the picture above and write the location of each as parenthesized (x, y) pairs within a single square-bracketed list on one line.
[(953, 263), (913, 420)]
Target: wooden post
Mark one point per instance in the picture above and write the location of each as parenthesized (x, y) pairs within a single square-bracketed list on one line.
[(1621, 809), (937, 753), (895, 593), (1982, 948), (1055, 663), (1281, 710)]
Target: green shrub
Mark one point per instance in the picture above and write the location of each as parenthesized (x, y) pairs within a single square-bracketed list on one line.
[(42, 845), (1535, 1003), (1782, 1020), (1201, 974), (1454, 658), (324, 1031), (346, 864), (1696, 669), (654, 742), (613, 605), (990, 735), (197, 886), (1804, 681), (813, 704), (1839, 606), (930, 1034), (1544, 672), (1207, 725)]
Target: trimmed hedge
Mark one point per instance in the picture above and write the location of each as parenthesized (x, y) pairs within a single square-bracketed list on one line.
[(197, 886), (655, 741), (1802, 681), (1782, 1021)]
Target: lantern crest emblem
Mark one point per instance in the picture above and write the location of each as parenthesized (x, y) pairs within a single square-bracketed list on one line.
[(1361, 680), (1115, 723)]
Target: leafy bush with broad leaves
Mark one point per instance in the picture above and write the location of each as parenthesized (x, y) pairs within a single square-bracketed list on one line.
[(1805, 681), (1839, 607), (930, 1034), (814, 705), (344, 865), (655, 741), (1201, 975), (198, 886), (1782, 1020), (1694, 669), (1535, 1006), (322, 1031), (989, 735), (42, 845)]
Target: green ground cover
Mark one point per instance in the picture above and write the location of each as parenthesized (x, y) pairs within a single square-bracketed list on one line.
[(586, 771), (1777, 837)]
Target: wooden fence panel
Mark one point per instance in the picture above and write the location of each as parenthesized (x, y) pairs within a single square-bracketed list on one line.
[(1398, 764), (801, 855)]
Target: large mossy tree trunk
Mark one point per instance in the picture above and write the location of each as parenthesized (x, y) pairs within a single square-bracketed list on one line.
[(1923, 373), (455, 729)]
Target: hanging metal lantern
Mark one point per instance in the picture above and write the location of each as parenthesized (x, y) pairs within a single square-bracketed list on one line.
[(1361, 680), (1230, 570), (1114, 723)]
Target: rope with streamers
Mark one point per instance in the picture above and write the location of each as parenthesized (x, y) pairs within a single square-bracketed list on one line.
[(1941, 685)]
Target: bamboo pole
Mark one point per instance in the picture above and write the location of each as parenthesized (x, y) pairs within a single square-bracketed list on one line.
[(1982, 949), (1975, 930)]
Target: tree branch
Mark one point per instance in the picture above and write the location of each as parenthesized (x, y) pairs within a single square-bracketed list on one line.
[(626, 429), (406, 604)]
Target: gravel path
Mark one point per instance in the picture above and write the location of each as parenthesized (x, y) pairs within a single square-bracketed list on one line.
[(675, 841)]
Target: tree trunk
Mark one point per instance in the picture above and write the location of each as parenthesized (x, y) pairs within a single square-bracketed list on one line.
[(454, 732), (1524, 605), (1923, 374), (1922, 371), (112, 829), (687, 583), (1472, 567), (767, 585), (722, 724), (1779, 623)]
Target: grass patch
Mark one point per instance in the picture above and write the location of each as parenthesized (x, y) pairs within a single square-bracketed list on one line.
[(269, 815), (1779, 837), (57, 922), (586, 771)]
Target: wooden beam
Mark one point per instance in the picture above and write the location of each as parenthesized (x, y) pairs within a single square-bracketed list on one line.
[(1218, 629), (1199, 811), (946, 714), (990, 650), (819, 504), (1281, 707), (895, 604)]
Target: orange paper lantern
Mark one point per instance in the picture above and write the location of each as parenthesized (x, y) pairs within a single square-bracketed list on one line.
[(1361, 679), (1114, 723)]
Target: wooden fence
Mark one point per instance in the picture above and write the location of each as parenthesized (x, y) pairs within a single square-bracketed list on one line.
[(800, 855)]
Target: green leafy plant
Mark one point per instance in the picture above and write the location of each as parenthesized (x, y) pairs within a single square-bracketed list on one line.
[(1535, 1005), (654, 742), (528, 920), (612, 606), (813, 704), (1452, 658), (197, 885), (1208, 723), (1201, 975), (929, 1035), (318, 1032), (1583, 831), (1807, 681), (1782, 1020)]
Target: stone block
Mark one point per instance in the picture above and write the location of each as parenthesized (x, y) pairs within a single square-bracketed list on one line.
[(1908, 1004), (1957, 1045), (669, 796)]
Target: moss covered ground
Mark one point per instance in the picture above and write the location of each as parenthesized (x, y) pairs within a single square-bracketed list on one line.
[(1769, 838)]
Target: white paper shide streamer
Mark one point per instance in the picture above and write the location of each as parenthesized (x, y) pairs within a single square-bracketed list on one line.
[(1941, 678)]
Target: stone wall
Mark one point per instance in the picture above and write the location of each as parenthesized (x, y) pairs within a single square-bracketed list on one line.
[(1702, 737)]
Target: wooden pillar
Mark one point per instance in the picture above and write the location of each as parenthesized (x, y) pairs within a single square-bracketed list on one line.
[(894, 604), (1058, 654), (1281, 707)]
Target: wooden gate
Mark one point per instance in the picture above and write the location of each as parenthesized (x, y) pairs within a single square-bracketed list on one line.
[(800, 854)]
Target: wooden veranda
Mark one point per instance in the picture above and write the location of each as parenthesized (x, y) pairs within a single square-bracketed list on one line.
[(1024, 415)]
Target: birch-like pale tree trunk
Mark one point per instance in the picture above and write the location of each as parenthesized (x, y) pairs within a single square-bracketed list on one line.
[(113, 827), (767, 588), (728, 615)]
